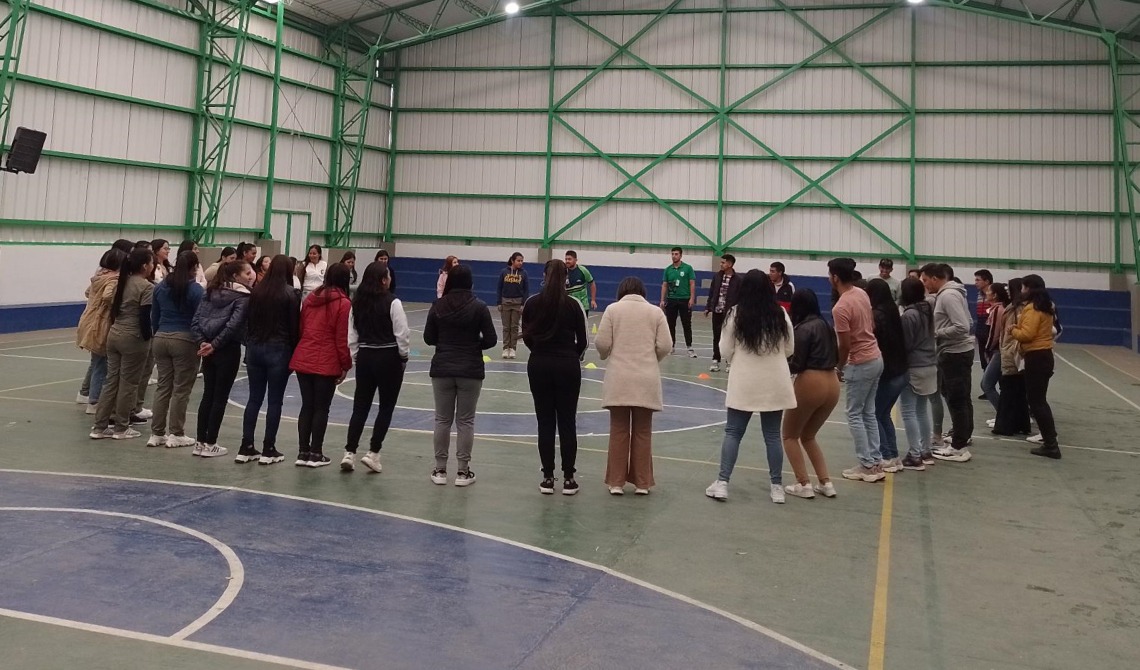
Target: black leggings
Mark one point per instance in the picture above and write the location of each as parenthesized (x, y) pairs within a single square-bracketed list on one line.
[(376, 370), (718, 326), (555, 383), (1038, 370), (680, 307), (219, 370), (316, 398)]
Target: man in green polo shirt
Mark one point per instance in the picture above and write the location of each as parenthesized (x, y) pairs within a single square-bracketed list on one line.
[(678, 290)]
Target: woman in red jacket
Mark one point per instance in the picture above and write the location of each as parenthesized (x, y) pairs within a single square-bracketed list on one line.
[(321, 361)]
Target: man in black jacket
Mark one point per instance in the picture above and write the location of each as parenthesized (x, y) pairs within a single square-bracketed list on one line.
[(722, 296)]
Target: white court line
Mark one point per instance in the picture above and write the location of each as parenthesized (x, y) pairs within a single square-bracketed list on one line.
[(33, 346), (1106, 386), (751, 625), (1110, 364), (45, 358), (35, 386), (237, 571), (998, 438)]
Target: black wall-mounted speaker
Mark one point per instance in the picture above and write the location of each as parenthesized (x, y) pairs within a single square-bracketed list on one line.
[(27, 144)]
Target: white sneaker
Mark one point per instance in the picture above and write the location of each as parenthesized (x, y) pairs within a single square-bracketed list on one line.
[(348, 463), (617, 491), (826, 490), (213, 451), (728, 367), (777, 494), (128, 434), (506, 354), (641, 492), (156, 441), (953, 455), (715, 367), (464, 478), (943, 450), (1036, 439), (991, 422), (101, 434), (198, 447), (144, 413), (800, 490), (718, 490), (371, 460), (439, 477), (91, 409), (81, 399), (153, 381), (176, 441), (692, 353)]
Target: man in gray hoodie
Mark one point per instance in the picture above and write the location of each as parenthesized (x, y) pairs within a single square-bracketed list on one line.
[(955, 357)]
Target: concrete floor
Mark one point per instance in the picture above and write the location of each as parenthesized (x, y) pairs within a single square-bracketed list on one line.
[(1009, 561)]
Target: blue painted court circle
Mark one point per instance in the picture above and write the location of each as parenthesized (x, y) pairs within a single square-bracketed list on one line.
[(689, 404)]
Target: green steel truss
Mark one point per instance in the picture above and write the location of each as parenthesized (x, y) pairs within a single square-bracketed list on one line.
[(11, 44), (223, 36)]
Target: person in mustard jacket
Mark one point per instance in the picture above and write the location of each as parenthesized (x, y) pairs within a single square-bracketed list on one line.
[(1034, 331)]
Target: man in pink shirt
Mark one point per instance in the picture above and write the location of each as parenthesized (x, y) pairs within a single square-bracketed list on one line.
[(860, 364)]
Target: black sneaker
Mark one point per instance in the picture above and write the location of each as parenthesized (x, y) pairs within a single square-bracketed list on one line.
[(270, 455), (928, 458), (547, 486), (317, 459), (569, 487), (302, 459), (1054, 453), (913, 463), (137, 420), (247, 454)]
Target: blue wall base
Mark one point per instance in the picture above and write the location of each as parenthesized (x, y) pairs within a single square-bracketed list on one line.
[(23, 318)]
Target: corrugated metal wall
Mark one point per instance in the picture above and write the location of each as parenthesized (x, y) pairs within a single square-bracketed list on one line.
[(112, 83), (1013, 137)]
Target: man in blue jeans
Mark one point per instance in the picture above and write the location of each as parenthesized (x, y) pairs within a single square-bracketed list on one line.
[(861, 365)]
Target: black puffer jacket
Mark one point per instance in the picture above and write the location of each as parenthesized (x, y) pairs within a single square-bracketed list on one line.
[(459, 326), (220, 319)]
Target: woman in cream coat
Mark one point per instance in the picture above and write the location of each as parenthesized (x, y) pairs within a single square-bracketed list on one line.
[(757, 340), (634, 337)]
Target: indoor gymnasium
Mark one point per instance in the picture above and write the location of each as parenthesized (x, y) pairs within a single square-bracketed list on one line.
[(664, 334)]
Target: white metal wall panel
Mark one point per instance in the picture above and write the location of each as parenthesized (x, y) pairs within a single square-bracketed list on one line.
[(823, 134), (249, 151), (854, 184), (633, 223), (1020, 87), (1050, 238), (960, 36), (820, 88), (243, 204), (302, 41), (520, 41), (684, 39), (1016, 137), (472, 174), (629, 133), (460, 217), (301, 159), (808, 228), (302, 199), (165, 26), (302, 109), (1015, 187), (368, 218), (374, 171), (474, 89), (630, 89), (673, 179), (471, 132)]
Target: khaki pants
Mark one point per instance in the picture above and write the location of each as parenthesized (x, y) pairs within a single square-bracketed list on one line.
[(511, 314), (126, 356), (631, 454), (176, 355), (144, 380)]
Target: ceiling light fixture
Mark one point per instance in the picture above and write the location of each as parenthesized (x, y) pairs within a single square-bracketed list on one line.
[(916, 2), (511, 8)]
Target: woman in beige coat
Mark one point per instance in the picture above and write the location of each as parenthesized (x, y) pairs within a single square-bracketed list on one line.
[(96, 321), (634, 337)]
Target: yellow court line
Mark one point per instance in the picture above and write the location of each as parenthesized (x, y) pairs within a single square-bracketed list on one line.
[(882, 579)]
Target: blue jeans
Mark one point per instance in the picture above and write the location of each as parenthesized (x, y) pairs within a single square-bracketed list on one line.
[(98, 376), (915, 410), (734, 432), (885, 399), (990, 379), (267, 366), (862, 385)]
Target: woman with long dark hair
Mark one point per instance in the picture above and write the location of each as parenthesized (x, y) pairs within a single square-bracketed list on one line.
[(1013, 406), (378, 338), (312, 271), (382, 257), (162, 267), (322, 361), (889, 335), (191, 245), (513, 289), (441, 284), (348, 259), (128, 343), (816, 386), (998, 298), (1034, 331), (228, 255), (261, 268), (176, 301), (757, 340), (459, 327), (219, 325), (554, 329), (921, 388), (271, 335), (91, 335)]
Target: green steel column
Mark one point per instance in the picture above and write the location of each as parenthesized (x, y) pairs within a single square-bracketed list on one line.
[(549, 132), (913, 123), (191, 219), (721, 123), (1117, 173), (335, 149), (390, 203), (271, 168), (1121, 139), (12, 35)]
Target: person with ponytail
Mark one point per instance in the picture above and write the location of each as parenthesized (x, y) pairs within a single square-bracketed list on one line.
[(348, 259), (200, 273), (162, 266), (1013, 407), (378, 338), (382, 257), (176, 301), (758, 338), (128, 343), (218, 326), (921, 387), (271, 336), (513, 290), (554, 329), (96, 320), (228, 255), (888, 331), (1034, 331), (441, 283)]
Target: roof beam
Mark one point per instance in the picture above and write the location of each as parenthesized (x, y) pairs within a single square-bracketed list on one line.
[(532, 8), (385, 11)]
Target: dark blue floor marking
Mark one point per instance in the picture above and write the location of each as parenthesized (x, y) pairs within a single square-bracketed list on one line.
[(345, 587), (693, 405)]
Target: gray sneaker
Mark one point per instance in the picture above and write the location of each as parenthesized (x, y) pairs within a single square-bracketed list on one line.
[(864, 474)]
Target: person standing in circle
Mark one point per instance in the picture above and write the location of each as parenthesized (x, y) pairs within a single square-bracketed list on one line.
[(722, 296), (459, 326), (378, 337), (382, 257), (513, 290), (634, 337), (889, 336), (678, 291), (441, 283), (758, 336), (162, 265), (580, 283), (91, 335), (176, 300), (228, 255), (312, 271), (554, 329), (785, 289), (1034, 330), (921, 386)]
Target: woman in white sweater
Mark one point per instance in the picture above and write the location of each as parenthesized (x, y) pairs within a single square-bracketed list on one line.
[(312, 271), (757, 340)]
